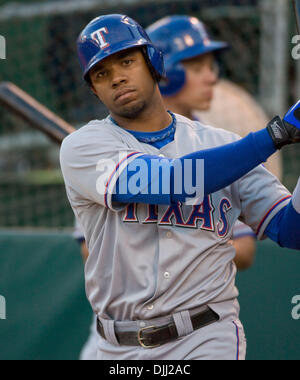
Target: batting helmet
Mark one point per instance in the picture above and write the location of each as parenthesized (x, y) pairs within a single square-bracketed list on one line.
[(110, 34), (180, 38)]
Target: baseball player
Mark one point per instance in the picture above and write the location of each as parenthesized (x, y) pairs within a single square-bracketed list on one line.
[(157, 195), (191, 74)]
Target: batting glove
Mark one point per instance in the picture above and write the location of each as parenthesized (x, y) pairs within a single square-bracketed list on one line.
[(286, 131)]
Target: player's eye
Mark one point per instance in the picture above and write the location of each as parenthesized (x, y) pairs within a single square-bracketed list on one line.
[(101, 74), (197, 68), (215, 68), (127, 62)]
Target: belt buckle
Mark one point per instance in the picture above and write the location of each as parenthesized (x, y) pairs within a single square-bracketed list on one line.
[(140, 338)]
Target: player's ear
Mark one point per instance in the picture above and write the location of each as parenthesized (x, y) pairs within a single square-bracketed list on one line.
[(90, 85), (93, 90)]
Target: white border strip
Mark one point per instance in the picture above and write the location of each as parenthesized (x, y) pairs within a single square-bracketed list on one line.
[(19, 10)]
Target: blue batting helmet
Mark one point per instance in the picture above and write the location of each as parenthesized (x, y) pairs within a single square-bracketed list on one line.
[(110, 34), (180, 38)]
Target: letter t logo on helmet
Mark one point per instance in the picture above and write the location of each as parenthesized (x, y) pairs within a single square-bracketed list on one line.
[(99, 35), (110, 34)]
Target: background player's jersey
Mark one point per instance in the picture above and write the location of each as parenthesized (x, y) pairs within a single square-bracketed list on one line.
[(147, 261)]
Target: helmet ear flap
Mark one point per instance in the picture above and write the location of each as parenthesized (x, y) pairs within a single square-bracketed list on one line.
[(156, 60), (173, 81)]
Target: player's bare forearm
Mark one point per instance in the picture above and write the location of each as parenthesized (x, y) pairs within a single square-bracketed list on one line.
[(84, 251), (245, 252)]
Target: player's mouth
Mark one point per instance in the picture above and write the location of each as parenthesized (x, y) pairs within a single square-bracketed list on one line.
[(210, 92), (208, 96), (124, 95)]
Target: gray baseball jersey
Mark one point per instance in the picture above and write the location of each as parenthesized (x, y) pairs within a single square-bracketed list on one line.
[(147, 261)]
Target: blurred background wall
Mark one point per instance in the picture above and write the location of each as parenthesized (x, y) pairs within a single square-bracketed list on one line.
[(41, 274)]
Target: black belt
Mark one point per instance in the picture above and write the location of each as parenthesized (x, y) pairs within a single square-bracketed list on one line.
[(154, 336)]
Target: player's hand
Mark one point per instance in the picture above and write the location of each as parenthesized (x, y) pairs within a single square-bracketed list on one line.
[(292, 122), (286, 131)]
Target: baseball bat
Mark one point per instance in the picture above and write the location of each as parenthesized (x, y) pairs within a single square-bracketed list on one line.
[(297, 13), (33, 112)]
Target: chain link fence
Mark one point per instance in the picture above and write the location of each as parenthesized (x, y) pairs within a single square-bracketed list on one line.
[(41, 59)]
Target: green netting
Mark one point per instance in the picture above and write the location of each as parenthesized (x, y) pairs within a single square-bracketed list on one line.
[(41, 59)]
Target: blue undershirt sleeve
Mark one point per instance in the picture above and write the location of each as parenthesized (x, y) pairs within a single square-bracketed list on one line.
[(142, 182), (284, 228)]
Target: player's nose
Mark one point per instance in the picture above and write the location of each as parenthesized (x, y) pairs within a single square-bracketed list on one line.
[(118, 77)]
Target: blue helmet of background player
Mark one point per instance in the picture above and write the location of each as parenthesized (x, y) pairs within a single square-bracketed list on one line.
[(110, 34), (180, 38)]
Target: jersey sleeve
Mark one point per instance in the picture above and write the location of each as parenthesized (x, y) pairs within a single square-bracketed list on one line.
[(91, 163), (262, 196)]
